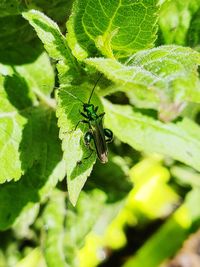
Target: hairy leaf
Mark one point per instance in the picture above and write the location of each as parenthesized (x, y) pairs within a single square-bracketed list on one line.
[(16, 125), (167, 75), (72, 133), (38, 75), (117, 28), (12, 124), (47, 169), (52, 38), (178, 140)]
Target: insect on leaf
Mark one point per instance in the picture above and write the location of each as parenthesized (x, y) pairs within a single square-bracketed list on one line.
[(72, 132)]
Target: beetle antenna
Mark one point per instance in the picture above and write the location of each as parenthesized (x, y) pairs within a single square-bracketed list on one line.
[(94, 88)]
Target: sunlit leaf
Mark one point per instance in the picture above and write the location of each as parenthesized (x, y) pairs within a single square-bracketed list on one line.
[(166, 77), (178, 140), (53, 217), (47, 168), (116, 28), (77, 156)]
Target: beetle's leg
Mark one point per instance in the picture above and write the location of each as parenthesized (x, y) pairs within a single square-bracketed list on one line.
[(82, 121), (96, 108), (108, 134), (83, 114), (92, 151)]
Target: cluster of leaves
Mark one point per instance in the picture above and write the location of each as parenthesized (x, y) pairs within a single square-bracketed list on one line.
[(147, 51)]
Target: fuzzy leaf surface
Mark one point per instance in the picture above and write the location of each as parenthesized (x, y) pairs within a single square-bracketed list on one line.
[(178, 140), (167, 75), (39, 180), (116, 28), (38, 75), (75, 151), (53, 40)]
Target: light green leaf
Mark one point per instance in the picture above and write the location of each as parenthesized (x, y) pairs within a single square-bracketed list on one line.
[(52, 38), (174, 19), (38, 76), (27, 217), (81, 220), (49, 33), (178, 140), (167, 74), (12, 124), (48, 168), (185, 175), (53, 243), (17, 122), (117, 28), (34, 258), (75, 151)]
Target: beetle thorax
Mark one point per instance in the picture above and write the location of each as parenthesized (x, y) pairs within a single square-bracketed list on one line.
[(90, 110)]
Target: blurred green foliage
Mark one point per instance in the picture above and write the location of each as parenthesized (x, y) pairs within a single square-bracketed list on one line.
[(59, 207)]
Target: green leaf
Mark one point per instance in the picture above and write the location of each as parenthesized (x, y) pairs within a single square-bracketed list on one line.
[(17, 101), (167, 74), (14, 31), (34, 258), (38, 75), (18, 54), (12, 124), (58, 10), (178, 140), (193, 36), (174, 19), (53, 243), (27, 217), (52, 38), (75, 151), (112, 173), (11, 7), (81, 220), (47, 170), (185, 175), (117, 28)]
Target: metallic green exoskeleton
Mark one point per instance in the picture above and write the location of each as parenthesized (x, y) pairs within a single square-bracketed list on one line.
[(96, 132)]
